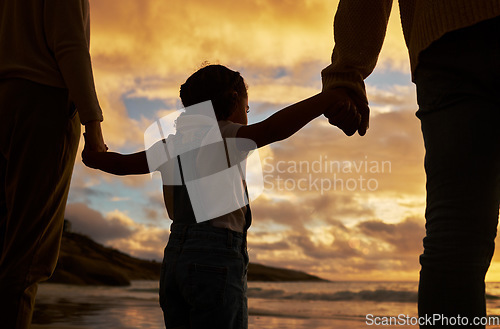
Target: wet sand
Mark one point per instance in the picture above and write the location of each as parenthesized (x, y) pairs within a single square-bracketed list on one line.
[(256, 322), (67, 314)]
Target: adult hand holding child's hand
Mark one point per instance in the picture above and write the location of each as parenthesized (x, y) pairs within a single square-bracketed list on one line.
[(90, 149), (347, 111), (87, 153), (93, 137)]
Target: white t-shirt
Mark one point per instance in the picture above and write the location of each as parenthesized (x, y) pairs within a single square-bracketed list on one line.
[(234, 220), (201, 162)]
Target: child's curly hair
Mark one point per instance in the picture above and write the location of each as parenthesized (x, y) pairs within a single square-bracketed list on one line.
[(224, 87)]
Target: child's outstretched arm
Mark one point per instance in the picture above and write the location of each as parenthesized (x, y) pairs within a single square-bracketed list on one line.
[(291, 119), (116, 163)]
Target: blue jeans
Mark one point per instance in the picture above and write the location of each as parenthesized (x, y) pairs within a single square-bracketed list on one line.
[(458, 85), (203, 281)]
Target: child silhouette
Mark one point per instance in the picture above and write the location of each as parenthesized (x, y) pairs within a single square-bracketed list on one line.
[(203, 279)]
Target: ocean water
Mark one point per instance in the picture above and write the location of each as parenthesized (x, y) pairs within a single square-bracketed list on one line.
[(298, 305)]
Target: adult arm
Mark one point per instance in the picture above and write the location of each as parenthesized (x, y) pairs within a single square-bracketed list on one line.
[(67, 30), (359, 31)]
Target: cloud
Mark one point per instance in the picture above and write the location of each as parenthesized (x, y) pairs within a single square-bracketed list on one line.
[(92, 223), (390, 99), (177, 34), (404, 237), (147, 48), (275, 246), (371, 248), (151, 213), (181, 35), (148, 242), (394, 138), (118, 230)]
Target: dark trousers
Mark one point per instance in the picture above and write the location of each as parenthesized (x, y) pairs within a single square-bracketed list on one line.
[(458, 90), (203, 282), (39, 135)]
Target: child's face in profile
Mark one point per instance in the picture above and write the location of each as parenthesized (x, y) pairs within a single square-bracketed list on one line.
[(240, 114)]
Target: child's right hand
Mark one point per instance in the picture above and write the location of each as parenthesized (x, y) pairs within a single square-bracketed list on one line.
[(88, 158)]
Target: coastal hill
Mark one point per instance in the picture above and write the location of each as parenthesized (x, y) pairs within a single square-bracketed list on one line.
[(83, 261)]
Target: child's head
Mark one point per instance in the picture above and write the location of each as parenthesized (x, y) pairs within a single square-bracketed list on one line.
[(225, 88)]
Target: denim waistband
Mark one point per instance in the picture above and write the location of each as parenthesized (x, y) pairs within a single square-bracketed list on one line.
[(181, 232)]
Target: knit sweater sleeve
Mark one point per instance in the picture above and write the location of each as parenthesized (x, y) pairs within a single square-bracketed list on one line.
[(67, 29), (359, 32)]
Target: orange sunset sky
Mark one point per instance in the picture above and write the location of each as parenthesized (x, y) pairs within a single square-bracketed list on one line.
[(142, 50)]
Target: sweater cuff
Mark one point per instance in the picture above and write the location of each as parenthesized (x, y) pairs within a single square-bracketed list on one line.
[(351, 80), (86, 117)]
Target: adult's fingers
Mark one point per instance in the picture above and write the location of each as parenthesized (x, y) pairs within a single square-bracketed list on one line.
[(345, 117), (364, 112)]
